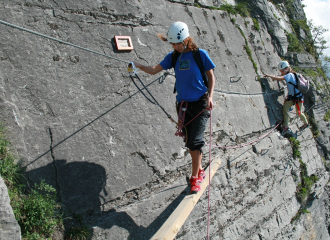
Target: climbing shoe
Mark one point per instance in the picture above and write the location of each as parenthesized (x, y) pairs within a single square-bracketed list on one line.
[(201, 176), (194, 185), (303, 127), (285, 130)]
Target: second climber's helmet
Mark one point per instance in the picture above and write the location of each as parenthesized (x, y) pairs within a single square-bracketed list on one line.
[(177, 32), (283, 65)]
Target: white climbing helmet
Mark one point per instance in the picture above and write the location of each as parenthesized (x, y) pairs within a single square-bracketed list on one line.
[(283, 65), (177, 32)]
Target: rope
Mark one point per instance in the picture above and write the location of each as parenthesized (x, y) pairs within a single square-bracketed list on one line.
[(142, 91), (155, 101), (194, 117), (243, 145), (181, 117), (185, 136), (58, 40), (209, 194)]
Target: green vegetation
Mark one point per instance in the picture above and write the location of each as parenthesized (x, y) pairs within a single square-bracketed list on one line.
[(327, 116), (304, 187), (310, 72), (313, 43), (299, 24), (241, 8), (306, 184), (276, 2), (322, 74), (314, 126), (38, 214), (295, 144), (229, 9), (36, 210), (299, 213), (294, 44), (316, 39), (78, 233), (256, 24), (314, 75), (10, 172), (248, 50)]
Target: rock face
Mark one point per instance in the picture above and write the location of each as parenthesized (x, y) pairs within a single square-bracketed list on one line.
[(77, 120), (9, 228), (276, 22)]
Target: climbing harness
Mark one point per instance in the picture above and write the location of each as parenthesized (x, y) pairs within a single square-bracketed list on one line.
[(296, 102), (132, 70), (181, 117)]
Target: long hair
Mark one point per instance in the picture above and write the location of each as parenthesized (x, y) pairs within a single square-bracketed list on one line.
[(188, 42), (290, 70)]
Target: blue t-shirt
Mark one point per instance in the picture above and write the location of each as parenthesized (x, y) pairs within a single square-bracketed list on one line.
[(291, 78), (189, 81)]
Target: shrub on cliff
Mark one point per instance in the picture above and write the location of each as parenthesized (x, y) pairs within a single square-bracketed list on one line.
[(36, 211)]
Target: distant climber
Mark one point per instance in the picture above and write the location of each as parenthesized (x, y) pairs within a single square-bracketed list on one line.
[(295, 97), (194, 99)]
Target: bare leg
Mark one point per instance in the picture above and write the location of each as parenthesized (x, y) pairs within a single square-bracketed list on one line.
[(196, 157)]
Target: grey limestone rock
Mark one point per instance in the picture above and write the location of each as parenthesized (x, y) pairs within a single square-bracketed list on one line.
[(9, 228), (77, 120)]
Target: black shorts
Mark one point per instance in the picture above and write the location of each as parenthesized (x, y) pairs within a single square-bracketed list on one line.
[(194, 131)]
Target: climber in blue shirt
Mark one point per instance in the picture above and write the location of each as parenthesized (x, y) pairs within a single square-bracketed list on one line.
[(189, 81), (194, 98)]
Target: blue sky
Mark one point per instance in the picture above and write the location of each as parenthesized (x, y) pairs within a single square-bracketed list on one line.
[(319, 11)]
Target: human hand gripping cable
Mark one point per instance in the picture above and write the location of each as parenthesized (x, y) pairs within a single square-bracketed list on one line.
[(267, 75)]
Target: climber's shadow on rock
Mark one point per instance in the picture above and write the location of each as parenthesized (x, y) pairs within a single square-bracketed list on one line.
[(79, 186), (271, 99), (128, 229)]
